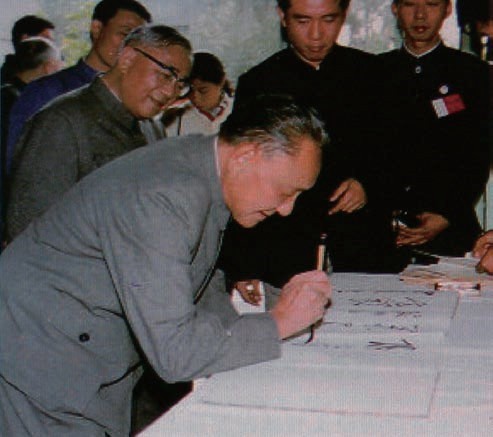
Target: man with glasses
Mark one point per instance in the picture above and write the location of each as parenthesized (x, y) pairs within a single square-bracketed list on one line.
[(111, 21), (95, 124)]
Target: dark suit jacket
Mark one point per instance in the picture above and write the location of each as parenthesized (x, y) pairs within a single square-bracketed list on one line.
[(345, 91), (440, 154), (112, 271), (76, 134)]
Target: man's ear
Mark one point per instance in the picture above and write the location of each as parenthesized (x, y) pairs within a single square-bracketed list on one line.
[(126, 59), (282, 16), (449, 10), (95, 30), (244, 158), (393, 8), (48, 66)]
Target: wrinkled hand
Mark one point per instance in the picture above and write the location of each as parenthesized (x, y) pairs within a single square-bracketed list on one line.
[(249, 291), (349, 197), (302, 302), (483, 244), (431, 225)]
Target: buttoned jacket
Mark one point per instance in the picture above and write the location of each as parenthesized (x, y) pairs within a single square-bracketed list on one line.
[(74, 135)]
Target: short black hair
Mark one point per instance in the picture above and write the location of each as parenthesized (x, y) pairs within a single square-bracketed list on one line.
[(105, 10), (209, 68), (30, 25), (284, 5), (275, 122), (471, 11), (396, 2)]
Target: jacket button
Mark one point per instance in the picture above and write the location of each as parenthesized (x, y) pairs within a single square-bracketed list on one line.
[(84, 337)]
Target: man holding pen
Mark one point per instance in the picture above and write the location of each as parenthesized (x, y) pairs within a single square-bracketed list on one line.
[(122, 268)]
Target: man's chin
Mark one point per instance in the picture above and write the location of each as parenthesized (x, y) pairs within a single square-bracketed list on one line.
[(250, 222)]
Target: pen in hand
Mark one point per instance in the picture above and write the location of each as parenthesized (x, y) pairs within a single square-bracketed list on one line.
[(324, 265)]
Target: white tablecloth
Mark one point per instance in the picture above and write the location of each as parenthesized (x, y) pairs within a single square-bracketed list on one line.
[(389, 359)]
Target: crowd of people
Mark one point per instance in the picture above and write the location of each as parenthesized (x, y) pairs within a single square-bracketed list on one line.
[(139, 186)]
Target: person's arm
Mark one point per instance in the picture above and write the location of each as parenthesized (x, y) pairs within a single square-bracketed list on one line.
[(149, 240), (149, 250), (46, 167)]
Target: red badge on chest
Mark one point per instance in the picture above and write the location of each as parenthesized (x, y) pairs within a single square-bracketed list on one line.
[(448, 105)]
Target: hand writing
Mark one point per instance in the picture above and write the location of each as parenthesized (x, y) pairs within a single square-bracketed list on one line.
[(302, 302)]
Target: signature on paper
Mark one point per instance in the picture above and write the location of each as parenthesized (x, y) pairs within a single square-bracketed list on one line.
[(383, 346)]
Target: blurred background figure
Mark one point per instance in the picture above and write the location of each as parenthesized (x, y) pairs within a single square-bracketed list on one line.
[(25, 27), (35, 57), (209, 103), (475, 19)]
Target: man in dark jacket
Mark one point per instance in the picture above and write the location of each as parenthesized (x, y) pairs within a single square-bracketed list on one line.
[(25, 27), (35, 57), (441, 148), (85, 129), (342, 84)]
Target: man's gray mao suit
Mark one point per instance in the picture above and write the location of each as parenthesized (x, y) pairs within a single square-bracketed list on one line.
[(112, 270)]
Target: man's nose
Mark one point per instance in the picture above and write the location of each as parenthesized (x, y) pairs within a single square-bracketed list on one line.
[(287, 207), (420, 11), (315, 30)]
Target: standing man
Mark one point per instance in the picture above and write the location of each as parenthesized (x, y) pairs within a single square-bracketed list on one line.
[(112, 20), (25, 27), (342, 84), (35, 57), (440, 96), (84, 129), (124, 267)]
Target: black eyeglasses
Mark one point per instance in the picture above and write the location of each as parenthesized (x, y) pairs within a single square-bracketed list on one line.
[(171, 77)]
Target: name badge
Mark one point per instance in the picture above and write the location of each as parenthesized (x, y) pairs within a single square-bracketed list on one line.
[(448, 105)]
